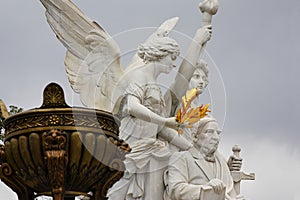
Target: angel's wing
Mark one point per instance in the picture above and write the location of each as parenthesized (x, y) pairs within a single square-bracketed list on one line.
[(163, 30), (92, 59)]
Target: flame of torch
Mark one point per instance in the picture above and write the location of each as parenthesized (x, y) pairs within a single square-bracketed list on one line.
[(208, 8)]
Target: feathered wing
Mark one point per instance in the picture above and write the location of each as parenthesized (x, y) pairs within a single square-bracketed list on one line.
[(93, 58)]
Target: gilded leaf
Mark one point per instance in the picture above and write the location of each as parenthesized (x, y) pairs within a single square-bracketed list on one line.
[(186, 115), (188, 98), (178, 116), (180, 131)]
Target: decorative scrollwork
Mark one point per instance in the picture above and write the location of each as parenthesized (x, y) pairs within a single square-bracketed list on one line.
[(108, 125), (66, 117), (56, 158), (54, 140), (114, 177), (116, 164), (2, 154), (6, 169)]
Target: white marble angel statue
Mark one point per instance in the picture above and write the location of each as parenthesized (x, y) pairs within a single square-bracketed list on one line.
[(93, 58), (93, 66)]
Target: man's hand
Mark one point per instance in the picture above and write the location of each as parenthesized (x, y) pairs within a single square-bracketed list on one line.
[(234, 163), (217, 185)]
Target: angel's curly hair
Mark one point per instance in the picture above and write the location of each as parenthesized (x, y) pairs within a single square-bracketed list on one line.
[(157, 48), (202, 65)]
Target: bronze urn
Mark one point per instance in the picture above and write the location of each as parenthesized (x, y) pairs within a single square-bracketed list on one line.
[(61, 151)]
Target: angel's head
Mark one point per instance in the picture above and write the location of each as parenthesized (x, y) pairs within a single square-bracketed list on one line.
[(199, 79), (158, 48)]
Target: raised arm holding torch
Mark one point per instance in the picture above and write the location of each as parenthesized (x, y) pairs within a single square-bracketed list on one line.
[(194, 52)]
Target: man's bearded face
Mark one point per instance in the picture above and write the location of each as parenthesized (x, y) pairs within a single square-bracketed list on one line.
[(208, 139)]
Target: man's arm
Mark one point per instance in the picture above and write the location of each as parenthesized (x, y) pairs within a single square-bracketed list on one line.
[(179, 186)]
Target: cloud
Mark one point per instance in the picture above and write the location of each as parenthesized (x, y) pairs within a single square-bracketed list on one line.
[(277, 171), (275, 164)]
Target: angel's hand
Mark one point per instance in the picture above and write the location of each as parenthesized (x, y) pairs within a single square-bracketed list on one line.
[(240, 197), (203, 34), (171, 123)]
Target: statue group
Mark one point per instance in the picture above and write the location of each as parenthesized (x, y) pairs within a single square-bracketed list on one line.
[(162, 163)]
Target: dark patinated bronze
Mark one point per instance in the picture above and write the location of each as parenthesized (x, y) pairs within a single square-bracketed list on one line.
[(61, 151)]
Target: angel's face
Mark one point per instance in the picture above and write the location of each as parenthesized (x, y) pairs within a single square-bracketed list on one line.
[(167, 63), (198, 81)]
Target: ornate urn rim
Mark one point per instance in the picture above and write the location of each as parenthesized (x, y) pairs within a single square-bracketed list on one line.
[(56, 114)]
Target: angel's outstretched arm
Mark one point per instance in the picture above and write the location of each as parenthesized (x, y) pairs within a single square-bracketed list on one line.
[(136, 109), (174, 138), (187, 68), (188, 64)]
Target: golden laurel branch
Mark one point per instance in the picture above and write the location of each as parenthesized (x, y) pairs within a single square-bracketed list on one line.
[(187, 116)]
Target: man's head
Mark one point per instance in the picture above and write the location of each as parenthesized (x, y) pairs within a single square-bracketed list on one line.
[(207, 136), (199, 79)]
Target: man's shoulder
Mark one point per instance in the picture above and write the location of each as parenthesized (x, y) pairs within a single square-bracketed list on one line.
[(220, 156), (181, 155)]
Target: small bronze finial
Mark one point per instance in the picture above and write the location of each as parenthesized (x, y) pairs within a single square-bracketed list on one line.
[(54, 97)]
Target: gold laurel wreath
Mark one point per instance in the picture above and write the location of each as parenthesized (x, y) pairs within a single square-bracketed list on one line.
[(187, 116)]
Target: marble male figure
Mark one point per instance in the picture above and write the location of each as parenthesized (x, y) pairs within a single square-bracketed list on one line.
[(202, 167)]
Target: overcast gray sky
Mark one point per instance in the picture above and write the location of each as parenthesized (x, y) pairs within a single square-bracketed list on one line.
[(255, 48)]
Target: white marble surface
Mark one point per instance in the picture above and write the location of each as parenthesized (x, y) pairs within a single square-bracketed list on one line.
[(193, 172)]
